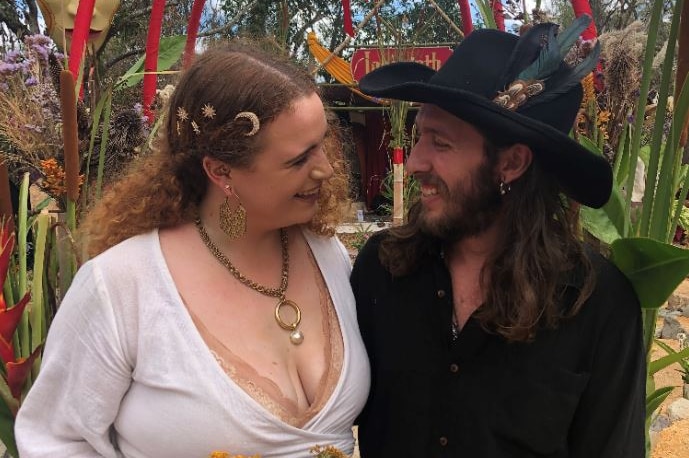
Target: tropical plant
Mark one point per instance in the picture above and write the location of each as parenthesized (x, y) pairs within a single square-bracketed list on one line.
[(640, 241), (681, 357)]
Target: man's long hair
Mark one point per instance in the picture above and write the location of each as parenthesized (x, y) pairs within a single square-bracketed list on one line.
[(523, 280)]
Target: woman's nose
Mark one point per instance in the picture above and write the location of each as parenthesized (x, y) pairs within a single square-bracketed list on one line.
[(323, 169)]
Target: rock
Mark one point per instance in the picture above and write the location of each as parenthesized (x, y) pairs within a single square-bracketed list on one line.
[(685, 311), (678, 301), (660, 422), (678, 410), (671, 328)]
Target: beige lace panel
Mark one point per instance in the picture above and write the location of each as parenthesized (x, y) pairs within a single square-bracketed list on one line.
[(266, 392)]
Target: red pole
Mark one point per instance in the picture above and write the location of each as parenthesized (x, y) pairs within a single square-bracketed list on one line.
[(192, 32), (347, 13), (151, 62), (82, 24), (465, 12), (498, 14), (583, 7)]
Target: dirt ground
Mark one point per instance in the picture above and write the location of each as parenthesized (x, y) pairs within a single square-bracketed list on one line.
[(673, 441)]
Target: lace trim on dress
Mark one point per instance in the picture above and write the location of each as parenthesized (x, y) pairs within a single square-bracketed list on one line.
[(266, 392)]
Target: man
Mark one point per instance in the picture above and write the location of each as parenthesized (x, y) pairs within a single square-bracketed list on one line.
[(492, 332)]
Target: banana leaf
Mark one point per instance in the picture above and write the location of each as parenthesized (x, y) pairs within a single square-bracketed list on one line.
[(654, 268)]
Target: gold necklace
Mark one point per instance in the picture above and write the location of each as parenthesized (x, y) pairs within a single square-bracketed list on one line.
[(296, 336)]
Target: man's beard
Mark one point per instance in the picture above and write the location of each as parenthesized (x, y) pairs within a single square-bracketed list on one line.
[(469, 212)]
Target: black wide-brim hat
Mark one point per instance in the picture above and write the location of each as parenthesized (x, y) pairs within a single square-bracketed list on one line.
[(466, 86)]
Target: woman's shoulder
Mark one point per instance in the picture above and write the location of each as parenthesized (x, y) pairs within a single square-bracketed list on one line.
[(131, 258)]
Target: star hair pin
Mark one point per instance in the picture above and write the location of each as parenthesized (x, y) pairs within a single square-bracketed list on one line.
[(208, 111)]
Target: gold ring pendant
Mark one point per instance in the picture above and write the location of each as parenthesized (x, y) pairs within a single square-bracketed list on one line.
[(296, 336)]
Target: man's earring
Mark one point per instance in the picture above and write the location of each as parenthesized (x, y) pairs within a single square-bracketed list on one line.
[(232, 222), (504, 188)]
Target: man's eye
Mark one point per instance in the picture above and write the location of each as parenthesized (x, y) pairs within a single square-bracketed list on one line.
[(440, 144)]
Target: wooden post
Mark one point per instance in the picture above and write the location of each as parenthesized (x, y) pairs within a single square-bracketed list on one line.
[(398, 186)]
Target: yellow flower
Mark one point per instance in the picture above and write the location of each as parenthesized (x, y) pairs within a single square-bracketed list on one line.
[(589, 90), (54, 177), (327, 452), (603, 117)]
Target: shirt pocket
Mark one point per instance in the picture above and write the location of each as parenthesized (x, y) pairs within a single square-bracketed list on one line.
[(536, 406)]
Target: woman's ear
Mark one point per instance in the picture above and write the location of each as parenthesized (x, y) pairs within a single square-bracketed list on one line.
[(218, 172), (513, 162)]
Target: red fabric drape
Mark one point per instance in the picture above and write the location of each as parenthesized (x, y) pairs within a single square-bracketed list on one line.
[(465, 11), (151, 62), (192, 32), (498, 14), (347, 12), (82, 24), (375, 167)]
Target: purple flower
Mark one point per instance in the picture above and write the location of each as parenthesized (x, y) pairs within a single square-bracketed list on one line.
[(31, 81), (7, 68), (11, 56)]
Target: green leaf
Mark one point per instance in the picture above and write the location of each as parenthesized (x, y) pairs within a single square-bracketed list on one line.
[(672, 357), (653, 268), (7, 420), (656, 398), (608, 223), (486, 13), (169, 52)]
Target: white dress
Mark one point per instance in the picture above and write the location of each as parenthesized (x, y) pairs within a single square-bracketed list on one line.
[(124, 364)]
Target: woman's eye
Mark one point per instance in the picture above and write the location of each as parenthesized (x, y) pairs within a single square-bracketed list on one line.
[(300, 161)]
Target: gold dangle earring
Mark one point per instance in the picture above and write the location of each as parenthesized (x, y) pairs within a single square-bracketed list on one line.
[(232, 222)]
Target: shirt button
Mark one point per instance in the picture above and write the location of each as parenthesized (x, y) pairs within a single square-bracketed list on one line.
[(443, 441), (454, 368), (441, 293)]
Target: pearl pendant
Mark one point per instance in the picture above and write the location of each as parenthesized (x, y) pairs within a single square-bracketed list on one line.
[(296, 337)]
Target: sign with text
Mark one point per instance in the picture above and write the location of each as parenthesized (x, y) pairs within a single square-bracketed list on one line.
[(366, 60)]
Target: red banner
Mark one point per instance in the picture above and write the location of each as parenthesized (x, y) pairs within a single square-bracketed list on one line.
[(367, 60)]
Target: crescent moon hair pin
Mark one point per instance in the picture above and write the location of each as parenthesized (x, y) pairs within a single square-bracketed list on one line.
[(255, 123)]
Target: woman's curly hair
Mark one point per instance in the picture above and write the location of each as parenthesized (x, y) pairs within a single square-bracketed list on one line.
[(164, 187)]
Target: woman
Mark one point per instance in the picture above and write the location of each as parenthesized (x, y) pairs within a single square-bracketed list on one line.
[(218, 314)]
